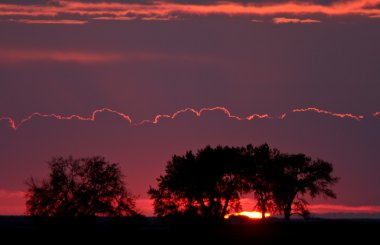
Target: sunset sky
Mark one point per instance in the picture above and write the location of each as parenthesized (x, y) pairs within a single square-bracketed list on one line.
[(138, 81)]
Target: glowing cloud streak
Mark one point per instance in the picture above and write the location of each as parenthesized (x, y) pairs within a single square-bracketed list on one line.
[(198, 113), (11, 56), (166, 10), (283, 20), (339, 115), (325, 208), (15, 125), (62, 22), (84, 57)]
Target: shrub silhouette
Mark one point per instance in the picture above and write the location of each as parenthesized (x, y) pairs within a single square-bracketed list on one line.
[(84, 187)]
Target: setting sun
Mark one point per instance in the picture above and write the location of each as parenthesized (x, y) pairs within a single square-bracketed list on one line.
[(249, 214)]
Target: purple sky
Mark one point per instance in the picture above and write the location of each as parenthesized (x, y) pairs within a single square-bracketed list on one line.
[(145, 64)]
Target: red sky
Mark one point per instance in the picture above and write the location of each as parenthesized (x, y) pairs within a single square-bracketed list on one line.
[(302, 76)]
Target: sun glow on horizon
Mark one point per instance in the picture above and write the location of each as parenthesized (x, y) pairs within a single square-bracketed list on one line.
[(249, 214)]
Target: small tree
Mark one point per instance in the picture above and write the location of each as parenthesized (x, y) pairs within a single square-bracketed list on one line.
[(296, 176), (80, 188), (207, 184)]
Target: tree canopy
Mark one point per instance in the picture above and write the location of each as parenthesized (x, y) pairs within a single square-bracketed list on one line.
[(210, 183), (298, 176), (207, 183), (80, 188), (261, 175)]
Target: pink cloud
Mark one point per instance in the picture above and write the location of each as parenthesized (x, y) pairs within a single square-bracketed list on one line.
[(23, 55), (65, 22), (257, 21), (160, 18), (160, 10), (326, 208), (283, 20), (114, 18), (330, 113), (11, 56), (197, 112), (12, 203)]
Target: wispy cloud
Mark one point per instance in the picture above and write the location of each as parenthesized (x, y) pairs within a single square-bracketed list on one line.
[(283, 20), (160, 10), (12, 56), (156, 119), (63, 22), (330, 113), (257, 21), (114, 18), (326, 208), (82, 57), (160, 18)]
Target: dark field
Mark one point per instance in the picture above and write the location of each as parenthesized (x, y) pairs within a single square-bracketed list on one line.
[(143, 231)]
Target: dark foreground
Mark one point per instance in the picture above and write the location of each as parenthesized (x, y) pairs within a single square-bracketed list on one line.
[(151, 231)]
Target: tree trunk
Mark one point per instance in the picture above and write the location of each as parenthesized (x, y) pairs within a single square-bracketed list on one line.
[(263, 211), (225, 206), (287, 212)]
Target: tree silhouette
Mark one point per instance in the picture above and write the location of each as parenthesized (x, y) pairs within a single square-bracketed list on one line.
[(295, 177), (80, 188), (261, 176), (207, 184)]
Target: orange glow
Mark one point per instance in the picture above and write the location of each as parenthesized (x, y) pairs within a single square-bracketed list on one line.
[(249, 214)]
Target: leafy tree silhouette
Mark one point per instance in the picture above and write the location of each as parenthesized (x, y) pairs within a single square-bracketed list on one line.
[(206, 184), (296, 176), (261, 176), (82, 187), (209, 184)]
